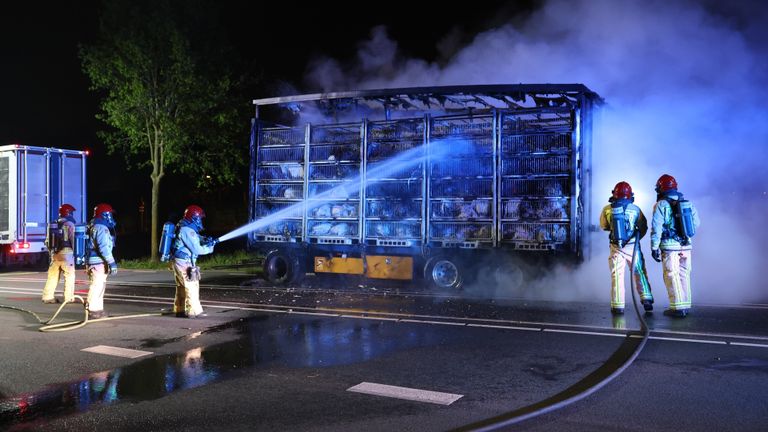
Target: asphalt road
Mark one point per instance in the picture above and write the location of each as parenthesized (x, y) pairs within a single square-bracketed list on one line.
[(284, 359)]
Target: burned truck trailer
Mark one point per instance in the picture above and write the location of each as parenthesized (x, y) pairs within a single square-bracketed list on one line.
[(420, 182)]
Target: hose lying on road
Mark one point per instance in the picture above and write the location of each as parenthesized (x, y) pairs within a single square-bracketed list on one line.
[(621, 359), (72, 325)]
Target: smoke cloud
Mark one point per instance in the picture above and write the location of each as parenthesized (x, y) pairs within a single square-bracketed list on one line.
[(686, 85)]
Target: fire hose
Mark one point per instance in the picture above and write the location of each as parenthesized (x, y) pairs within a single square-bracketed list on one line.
[(625, 355), (47, 325)]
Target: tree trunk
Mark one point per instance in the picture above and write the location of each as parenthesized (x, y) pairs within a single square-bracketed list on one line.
[(154, 224)]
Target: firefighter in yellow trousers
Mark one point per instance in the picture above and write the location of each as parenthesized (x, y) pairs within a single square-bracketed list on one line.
[(674, 222), (188, 244), (627, 225), (61, 245)]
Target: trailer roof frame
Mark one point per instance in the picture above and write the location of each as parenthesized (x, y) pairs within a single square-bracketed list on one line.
[(508, 95)]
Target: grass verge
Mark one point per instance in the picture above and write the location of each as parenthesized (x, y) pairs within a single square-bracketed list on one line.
[(238, 259)]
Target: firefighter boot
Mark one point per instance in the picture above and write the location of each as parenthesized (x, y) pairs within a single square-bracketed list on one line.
[(676, 313)]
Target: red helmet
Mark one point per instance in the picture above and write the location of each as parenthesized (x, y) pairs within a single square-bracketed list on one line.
[(665, 183), (622, 190), (102, 208), (193, 211), (66, 210)]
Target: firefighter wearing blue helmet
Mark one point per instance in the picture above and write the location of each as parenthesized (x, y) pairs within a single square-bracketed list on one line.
[(674, 222), (626, 224), (101, 263), (61, 246), (187, 245)]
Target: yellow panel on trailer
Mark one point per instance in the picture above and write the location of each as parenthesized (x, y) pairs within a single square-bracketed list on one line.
[(389, 267), (378, 266), (339, 265)]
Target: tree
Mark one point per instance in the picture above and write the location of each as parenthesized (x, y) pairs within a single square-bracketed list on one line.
[(166, 93)]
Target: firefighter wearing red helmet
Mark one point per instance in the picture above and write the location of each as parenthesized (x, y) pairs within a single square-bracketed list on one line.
[(674, 222), (626, 224), (187, 246), (100, 262), (60, 244)]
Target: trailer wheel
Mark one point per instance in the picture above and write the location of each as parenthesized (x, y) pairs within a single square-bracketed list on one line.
[(444, 273), (283, 268)]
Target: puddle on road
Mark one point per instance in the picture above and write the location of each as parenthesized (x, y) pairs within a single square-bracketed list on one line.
[(274, 341), (156, 343)]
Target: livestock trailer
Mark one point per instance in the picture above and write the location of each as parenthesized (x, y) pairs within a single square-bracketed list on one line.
[(420, 182), (34, 182)]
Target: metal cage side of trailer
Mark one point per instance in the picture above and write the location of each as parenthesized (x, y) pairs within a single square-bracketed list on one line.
[(515, 176)]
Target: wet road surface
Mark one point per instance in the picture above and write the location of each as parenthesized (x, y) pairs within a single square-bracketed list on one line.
[(288, 359)]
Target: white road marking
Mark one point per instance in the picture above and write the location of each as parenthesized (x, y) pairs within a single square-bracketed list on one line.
[(424, 319), (749, 344), (451, 323), (506, 327), (584, 332), (116, 351), (406, 393), (688, 340), (370, 318)]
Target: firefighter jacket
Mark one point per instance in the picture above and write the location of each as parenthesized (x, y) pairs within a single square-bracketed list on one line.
[(101, 243), (187, 245), (663, 233), (635, 218)]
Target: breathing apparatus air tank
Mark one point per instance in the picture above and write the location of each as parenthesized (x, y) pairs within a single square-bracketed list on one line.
[(620, 229), (684, 220), (55, 236), (80, 245), (166, 239)]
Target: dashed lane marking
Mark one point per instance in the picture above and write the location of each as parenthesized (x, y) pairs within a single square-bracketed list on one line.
[(117, 351), (406, 393)]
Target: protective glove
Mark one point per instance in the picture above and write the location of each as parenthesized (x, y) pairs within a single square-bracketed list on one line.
[(656, 254), (113, 268), (210, 241)]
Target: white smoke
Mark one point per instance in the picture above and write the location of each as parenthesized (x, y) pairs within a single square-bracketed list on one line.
[(686, 89)]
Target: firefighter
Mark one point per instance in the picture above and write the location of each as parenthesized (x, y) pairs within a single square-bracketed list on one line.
[(626, 224), (61, 245), (101, 263), (187, 245), (674, 221)]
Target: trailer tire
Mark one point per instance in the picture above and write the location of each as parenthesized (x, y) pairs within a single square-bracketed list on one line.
[(283, 268), (445, 273)]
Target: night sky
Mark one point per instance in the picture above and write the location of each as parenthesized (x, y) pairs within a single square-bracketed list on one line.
[(47, 103), (46, 96)]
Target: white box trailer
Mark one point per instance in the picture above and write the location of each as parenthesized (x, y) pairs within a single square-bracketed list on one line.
[(34, 182)]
